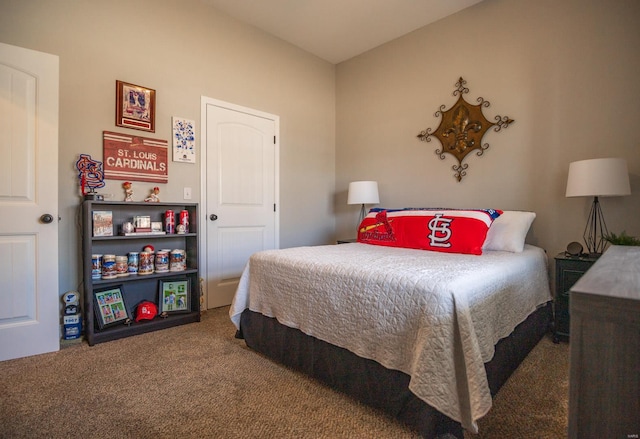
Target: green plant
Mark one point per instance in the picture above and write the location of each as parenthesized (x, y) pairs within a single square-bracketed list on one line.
[(622, 239)]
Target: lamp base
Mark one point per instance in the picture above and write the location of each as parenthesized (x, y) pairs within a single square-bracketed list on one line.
[(595, 230), (94, 196), (363, 213)]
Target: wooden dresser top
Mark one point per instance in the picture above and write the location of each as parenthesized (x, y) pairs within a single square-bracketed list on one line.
[(615, 274)]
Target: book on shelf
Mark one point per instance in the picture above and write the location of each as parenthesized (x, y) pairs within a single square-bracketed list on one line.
[(102, 223)]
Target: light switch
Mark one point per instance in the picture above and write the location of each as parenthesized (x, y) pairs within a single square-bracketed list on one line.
[(187, 193)]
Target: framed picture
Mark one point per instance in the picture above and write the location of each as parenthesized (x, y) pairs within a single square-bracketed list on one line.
[(135, 107), (184, 140), (174, 296), (102, 223), (110, 307)]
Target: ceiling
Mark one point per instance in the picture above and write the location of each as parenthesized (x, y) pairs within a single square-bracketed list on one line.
[(336, 30)]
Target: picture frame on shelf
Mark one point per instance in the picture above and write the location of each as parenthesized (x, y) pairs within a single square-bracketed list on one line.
[(174, 296), (102, 223), (135, 107), (110, 307)]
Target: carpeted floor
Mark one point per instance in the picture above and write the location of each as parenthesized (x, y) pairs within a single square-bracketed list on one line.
[(198, 381)]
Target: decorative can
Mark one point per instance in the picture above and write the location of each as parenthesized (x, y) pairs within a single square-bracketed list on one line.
[(178, 260), (109, 267), (96, 266), (184, 220), (72, 326), (170, 222), (146, 263), (122, 266), (162, 261), (132, 263)]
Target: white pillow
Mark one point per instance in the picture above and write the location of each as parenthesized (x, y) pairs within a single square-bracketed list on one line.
[(508, 231)]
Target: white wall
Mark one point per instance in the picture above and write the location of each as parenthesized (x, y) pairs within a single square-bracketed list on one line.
[(182, 49), (566, 71)]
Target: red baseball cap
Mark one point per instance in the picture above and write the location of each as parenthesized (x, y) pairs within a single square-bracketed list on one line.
[(146, 311)]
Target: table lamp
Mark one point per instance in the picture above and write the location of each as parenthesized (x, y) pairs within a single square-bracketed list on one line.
[(363, 192), (607, 177)]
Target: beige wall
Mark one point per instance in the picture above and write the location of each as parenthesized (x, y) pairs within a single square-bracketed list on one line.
[(566, 71), (184, 50)]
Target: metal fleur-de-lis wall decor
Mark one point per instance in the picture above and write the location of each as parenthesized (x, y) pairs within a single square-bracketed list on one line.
[(462, 128)]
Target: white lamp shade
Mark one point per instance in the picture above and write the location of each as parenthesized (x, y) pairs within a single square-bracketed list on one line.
[(598, 178), (363, 192)]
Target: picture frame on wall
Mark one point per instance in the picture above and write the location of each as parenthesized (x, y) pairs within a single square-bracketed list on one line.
[(184, 140), (174, 296), (110, 307), (135, 107)]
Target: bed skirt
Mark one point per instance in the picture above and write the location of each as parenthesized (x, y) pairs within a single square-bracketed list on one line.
[(373, 384)]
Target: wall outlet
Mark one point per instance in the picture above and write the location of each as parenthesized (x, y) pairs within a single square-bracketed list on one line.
[(187, 193)]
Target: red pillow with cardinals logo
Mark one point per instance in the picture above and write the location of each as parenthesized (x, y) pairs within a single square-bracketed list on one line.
[(442, 230)]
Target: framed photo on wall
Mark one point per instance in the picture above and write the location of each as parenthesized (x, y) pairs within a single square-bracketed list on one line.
[(135, 107), (174, 296), (184, 140), (109, 306)]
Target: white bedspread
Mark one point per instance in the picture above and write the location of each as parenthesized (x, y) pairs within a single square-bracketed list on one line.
[(434, 316)]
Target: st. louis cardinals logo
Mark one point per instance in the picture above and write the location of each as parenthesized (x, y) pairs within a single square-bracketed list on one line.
[(440, 231), (381, 230)]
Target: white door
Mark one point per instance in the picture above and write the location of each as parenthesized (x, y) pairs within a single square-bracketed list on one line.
[(240, 188), (29, 299)]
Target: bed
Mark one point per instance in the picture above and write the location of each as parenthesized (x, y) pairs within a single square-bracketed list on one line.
[(427, 336)]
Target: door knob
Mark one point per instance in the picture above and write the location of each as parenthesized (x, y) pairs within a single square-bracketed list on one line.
[(46, 218), (213, 217)]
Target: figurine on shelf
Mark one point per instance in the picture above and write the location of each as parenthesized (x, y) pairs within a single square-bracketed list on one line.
[(128, 192), (153, 196)]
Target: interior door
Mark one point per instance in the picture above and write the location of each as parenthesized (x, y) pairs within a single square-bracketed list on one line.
[(240, 191), (29, 299)]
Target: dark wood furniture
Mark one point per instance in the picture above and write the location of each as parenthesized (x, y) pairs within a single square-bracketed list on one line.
[(568, 270), (138, 288), (604, 382)]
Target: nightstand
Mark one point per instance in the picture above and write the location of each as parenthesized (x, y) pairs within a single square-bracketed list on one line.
[(347, 241), (568, 270)]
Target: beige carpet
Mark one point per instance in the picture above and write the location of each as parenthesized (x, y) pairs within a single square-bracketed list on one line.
[(197, 381)]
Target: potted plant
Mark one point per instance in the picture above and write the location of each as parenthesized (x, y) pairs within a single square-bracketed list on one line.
[(622, 239)]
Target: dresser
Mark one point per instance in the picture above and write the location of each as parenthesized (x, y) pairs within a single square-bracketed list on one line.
[(604, 380)]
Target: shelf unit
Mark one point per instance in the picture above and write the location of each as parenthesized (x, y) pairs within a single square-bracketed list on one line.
[(138, 288)]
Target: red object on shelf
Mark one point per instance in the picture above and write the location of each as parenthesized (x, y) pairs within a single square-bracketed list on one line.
[(146, 311)]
